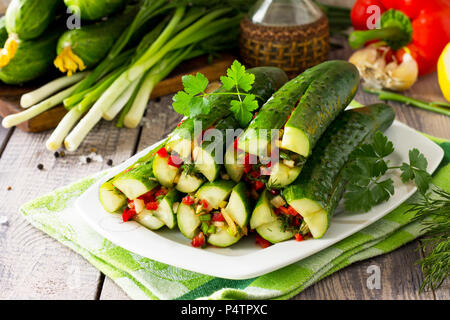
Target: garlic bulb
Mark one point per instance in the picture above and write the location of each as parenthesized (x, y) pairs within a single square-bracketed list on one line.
[(378, 71)]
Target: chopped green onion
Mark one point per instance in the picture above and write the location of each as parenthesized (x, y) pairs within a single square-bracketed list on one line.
[(56, 139), (205, 217)]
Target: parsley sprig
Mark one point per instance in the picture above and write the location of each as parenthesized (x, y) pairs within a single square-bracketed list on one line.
[(193, 101), (367, 186)]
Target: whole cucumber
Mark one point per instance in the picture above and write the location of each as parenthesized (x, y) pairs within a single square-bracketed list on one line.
[(95, 9), (93, 42), (319, 188), (32, 59), (28, 19), (310, 101)]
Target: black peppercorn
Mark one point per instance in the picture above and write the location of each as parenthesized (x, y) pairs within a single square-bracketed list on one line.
[(110, 162), (88, 160), (40, 166)]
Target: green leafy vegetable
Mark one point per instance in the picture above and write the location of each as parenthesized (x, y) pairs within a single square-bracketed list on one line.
[(434, 212), (365, 186), (193, 100)]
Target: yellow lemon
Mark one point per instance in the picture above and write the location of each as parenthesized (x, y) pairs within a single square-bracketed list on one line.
[(443, 68)]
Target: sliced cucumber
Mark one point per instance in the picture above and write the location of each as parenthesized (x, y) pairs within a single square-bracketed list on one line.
[(188, 222), (137, 181), (239, 205), (223, 238), (273, 232), (234, 169), (205, 163), (282, 175), (149, 220), (164, 172), (165, 209), (263, 213), (111, 199), (215, 192), (319, 188), (188, 183), (181, 146), (315, 217)]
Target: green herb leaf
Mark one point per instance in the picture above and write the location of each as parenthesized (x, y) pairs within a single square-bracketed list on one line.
[(194, 85), (238, 77), (242, 110), (416, 170)]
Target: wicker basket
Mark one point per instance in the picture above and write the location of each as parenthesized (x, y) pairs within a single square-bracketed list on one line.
[(291, 48)]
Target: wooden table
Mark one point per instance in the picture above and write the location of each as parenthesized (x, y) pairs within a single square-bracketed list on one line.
[(34, 266)]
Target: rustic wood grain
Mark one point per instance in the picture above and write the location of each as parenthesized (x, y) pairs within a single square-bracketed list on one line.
[(33, 265)]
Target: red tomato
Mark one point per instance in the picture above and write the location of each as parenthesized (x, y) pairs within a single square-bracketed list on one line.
[(199, 240)]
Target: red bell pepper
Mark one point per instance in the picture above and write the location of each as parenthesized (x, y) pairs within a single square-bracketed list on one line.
[(423, 27)]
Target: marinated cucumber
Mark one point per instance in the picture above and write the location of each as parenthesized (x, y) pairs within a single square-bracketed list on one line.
[(263, 213), (111, 199), (164, 173), (266, 222), (281, 175), (319, 188), (149, 220), (188, 183), (165, 211), (273, 232), (215, 192), (208, 155), (234, 168), (188, 222), (267, 81), (275, 111), (239, 205), (137, 181), (322, 102), (238, 209)]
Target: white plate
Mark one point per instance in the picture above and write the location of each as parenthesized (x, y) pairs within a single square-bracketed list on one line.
[(246, 259)]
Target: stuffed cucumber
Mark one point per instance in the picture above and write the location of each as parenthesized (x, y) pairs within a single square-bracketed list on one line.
[(95, 9), (154, 209), (267, 81), (83, 48), (319, 188), (29, 60), (289, 124), (271, 216), (217, 214), (209, 150), (28, 19)]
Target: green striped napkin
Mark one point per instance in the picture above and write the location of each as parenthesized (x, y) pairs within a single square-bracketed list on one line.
[(142, 278)]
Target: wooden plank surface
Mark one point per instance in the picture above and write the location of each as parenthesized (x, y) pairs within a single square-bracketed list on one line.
[(33, 265)]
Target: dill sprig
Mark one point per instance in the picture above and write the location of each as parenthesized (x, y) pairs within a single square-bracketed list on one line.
[(433, 211)]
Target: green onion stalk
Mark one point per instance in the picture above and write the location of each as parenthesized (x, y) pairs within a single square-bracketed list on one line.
[(438, 107), (166, 42)]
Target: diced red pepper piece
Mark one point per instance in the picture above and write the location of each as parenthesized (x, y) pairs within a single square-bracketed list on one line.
[(175, 161), (160, 192), (235, 144), (152, 205), (204, 203), (179, 124), (126, 170), (148, 196), (255, 173), (299, 237), (162, 152), (130, 204), (128, 214), (262, 242), (199, 240), (259, 185), (292, 211), (254, 116), (284, 210), (188, 200), (217, 216)]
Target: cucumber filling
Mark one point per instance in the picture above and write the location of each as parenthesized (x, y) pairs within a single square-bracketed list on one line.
[(205, 222)]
